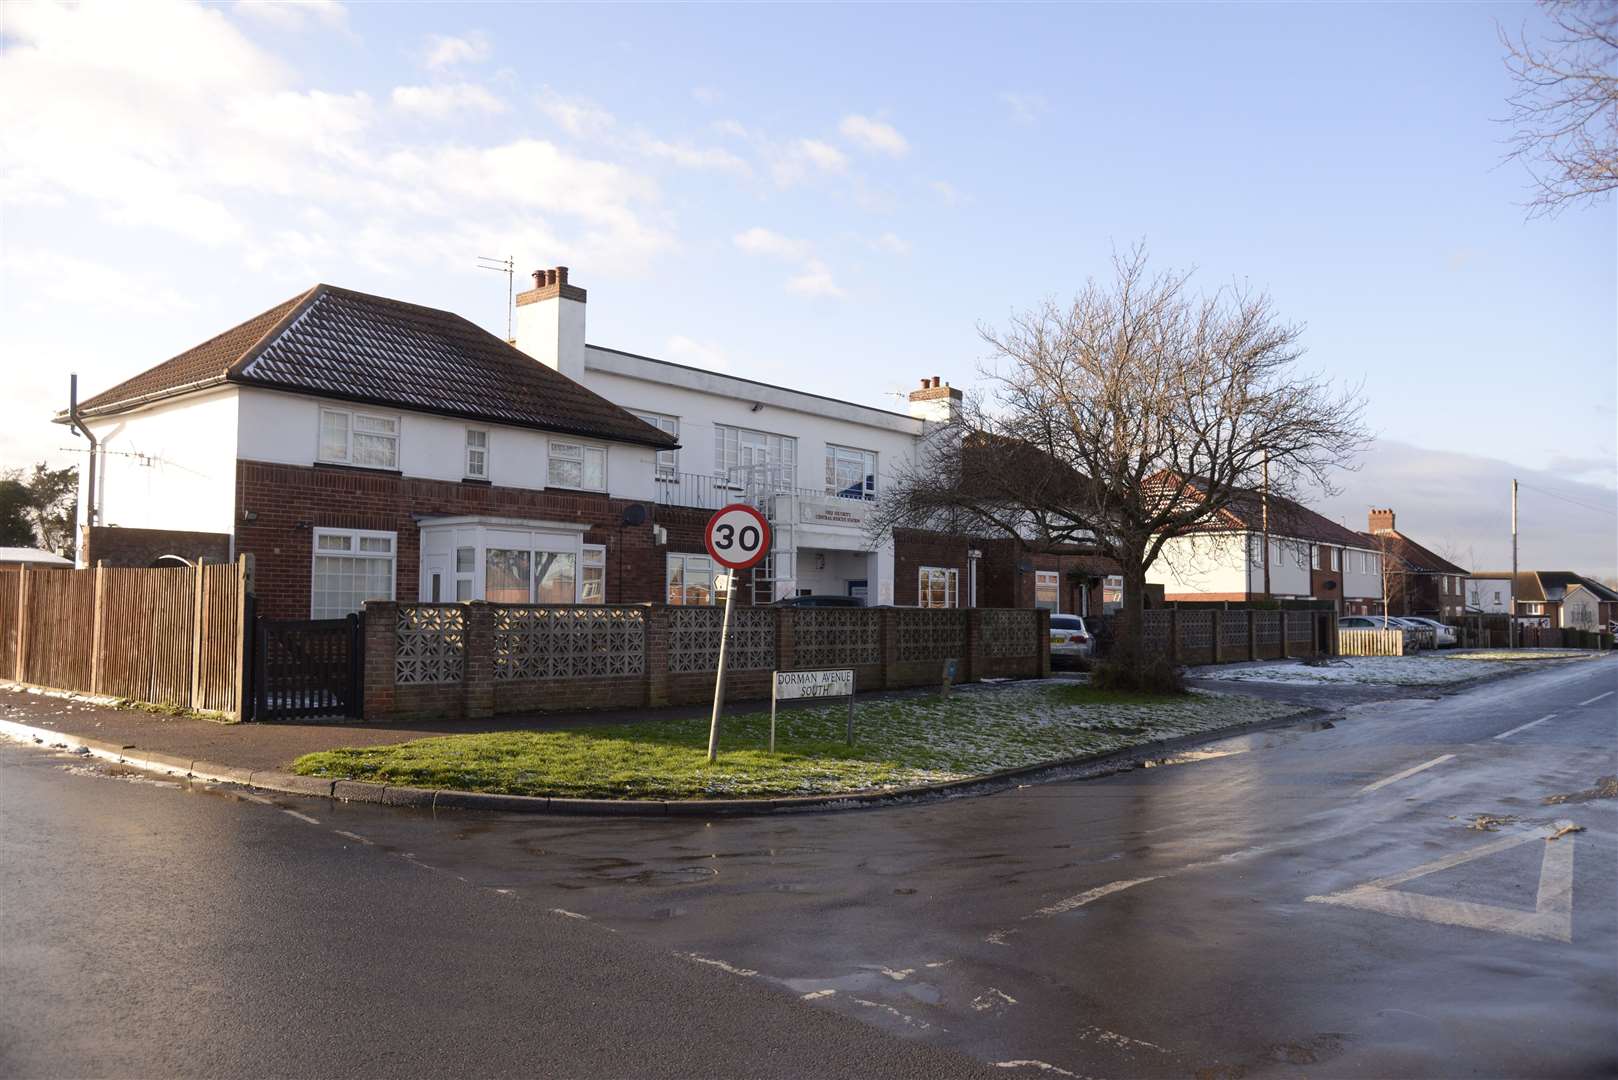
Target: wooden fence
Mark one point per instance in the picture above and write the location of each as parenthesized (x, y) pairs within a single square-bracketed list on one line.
[(166, 636), (1374, 643)]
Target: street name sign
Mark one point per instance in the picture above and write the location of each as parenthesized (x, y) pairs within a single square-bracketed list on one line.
[(786, 685)]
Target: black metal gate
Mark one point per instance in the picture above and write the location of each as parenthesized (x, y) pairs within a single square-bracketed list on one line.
[(307, 667)]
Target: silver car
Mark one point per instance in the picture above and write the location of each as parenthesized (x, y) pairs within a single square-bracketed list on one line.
[(1445, 634), (1070, 639)]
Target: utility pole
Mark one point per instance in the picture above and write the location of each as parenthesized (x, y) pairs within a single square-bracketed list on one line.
[(1264, 521), (1511, 627)]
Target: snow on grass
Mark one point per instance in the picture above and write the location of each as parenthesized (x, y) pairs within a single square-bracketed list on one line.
[(899, 742), (1428, 670)]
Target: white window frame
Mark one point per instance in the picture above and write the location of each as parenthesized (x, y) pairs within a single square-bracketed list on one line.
[(355, 536), (779, 452), (667, 468), (482, 471), (594, 557), (349, 416), (714, 570), (868, 459), (1054, 579), (952, 585), (560, 450)]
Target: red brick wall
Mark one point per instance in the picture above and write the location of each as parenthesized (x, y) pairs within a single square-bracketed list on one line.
[(143, 547), (289, 501), (913, 549)]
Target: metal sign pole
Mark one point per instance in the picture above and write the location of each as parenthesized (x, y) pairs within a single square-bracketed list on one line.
[(719, 676), (851, 718), (774, 689)]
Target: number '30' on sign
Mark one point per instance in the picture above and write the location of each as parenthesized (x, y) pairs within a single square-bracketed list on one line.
[(737, 536)]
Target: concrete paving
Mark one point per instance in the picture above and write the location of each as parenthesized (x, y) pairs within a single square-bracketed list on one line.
[(1317, 899)]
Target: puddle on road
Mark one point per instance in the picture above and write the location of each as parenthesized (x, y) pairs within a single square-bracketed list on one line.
[(1187, 757)]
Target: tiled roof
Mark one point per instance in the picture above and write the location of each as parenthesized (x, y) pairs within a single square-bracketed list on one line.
[(337, 343), (1288, 519), (1415, 557)]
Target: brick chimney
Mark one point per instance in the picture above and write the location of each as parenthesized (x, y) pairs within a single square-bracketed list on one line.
[(550, 322), (1381, 522), (937, 401)]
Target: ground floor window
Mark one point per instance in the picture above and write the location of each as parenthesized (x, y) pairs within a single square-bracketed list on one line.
[(593, 575), (513, 576), (1112, 594), (1047, 590), (694, 579), (938, 587), (350, 567)]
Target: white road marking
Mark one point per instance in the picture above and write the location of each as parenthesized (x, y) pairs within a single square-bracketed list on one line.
[(1524, 727), (1396, 777), (565, 913), (305, 818), (816, 995), (261, 800), (356, 837), (898, 976), (746, 973), (992, 998), (1551, 919), (1087, 896), (1031, 1063), (1598, 697), (910, 1021)]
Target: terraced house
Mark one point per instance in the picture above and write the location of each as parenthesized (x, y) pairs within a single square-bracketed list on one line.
[(365, 448)]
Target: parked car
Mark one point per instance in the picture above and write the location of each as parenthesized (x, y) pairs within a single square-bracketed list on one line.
[(1071, 640), (1424, 636), (1446, 635), (819, 601)]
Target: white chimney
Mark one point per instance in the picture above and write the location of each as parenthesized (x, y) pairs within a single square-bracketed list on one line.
[(550, 323), (936, 402)]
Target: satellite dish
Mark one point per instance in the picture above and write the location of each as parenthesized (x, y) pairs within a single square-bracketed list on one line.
[(634, 514)]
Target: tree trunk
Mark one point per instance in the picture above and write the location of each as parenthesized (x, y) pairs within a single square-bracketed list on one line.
[(1129, 645)]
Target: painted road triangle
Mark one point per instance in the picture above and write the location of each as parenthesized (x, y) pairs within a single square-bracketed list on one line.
[(1551, 919)]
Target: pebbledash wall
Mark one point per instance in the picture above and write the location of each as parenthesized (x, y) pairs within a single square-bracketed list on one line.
[(478, 659)]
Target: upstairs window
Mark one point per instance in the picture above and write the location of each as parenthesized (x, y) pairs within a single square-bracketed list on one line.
[(477, 454), (349, 437), (668, 461), (850, 473), (756, 460), (575, 465)]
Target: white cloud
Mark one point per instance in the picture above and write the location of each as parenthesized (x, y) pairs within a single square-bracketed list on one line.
[(761, 241), (444, 51), (437, 102), (57, 278), (892, 243), (1025, 108), (798, 159), (690, 157), (947, 192), (701, 354), (576, 116), (707, 95), (294, 14), (816, 280), (874, 135), (824, 155), (732, 128)]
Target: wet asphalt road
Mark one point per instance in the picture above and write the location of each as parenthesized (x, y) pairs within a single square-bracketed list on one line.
[(1286, 903)]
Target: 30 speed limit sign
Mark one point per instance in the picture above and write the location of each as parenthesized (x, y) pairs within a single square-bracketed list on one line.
[(738, 536)]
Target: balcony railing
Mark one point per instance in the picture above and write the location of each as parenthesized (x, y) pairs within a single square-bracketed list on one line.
[(756, 486)]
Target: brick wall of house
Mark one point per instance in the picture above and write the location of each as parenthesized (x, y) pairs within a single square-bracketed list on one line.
[(288, 501), (118, 546), (1001, 581), (913, 549)]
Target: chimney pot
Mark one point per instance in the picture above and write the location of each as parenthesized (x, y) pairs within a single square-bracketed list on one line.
[(561, 275), (935, 381), (539, 278), (925, 383)]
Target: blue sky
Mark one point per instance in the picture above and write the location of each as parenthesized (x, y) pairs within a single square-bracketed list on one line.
[(831, 197)]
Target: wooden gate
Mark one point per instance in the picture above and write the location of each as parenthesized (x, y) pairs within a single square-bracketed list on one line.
[(306, 668)]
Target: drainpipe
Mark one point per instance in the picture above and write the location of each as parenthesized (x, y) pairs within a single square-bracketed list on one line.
[(79, 426)]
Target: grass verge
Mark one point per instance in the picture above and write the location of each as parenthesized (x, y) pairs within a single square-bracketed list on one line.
[(898, 742)]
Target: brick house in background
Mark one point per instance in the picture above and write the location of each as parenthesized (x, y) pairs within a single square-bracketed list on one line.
[(1559, 598), (1310, 557), (1419, 582)]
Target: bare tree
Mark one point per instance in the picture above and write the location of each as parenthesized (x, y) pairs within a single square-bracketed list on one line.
[(1135, 415), (1565, 109)]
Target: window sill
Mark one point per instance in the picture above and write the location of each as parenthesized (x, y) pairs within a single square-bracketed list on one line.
[(338, 466), (477, 481), (577, 491)]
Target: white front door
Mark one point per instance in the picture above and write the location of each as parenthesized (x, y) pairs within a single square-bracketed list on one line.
[(437, 581)]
